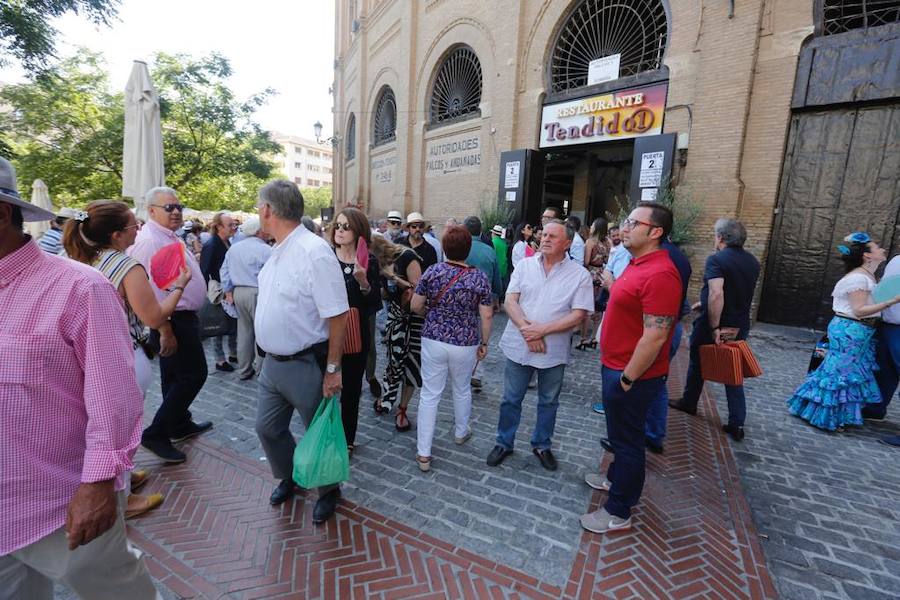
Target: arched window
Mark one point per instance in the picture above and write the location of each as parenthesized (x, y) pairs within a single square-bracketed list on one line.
[(456, 93), (638, 30), (384, 125), (838, 16), (351, 137)]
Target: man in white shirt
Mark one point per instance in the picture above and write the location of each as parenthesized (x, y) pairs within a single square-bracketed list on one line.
[(888, 373), (577, 249), (548, 296), (300, 322)]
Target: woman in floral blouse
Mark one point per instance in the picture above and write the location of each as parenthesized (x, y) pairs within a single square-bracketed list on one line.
[(452, 296)]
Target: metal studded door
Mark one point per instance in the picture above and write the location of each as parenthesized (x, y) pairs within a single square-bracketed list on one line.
[(841, 174)]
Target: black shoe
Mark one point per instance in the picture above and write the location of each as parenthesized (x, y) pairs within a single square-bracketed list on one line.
[(680, 405), (225, 366), (375, 387), (548, 461), (653, 446), (284, 491), (248, 375), (163, 449), (233, 359), (325, 506), (607, 445), (497, 456), (736, 433), (191, 430)]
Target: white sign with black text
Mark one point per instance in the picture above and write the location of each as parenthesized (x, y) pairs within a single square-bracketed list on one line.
[(512, 174), (450, 156), (604, 69), (651, 169)]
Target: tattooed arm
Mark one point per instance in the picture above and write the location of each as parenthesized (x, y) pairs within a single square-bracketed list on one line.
[(656, 332)]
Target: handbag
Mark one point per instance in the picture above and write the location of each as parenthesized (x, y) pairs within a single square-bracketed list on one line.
[(454, 279), (749, 365), (353, 338), (818, 354), (213, 320), (321, 457), (722, 364)]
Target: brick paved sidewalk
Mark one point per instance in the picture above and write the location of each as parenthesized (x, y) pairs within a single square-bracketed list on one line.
[(216, 535)]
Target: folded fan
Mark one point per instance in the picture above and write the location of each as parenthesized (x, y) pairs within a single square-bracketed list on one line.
[(166, 264)]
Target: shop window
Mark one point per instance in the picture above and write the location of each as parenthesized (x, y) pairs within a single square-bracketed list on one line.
[(838, 16), (384, 125), (637, 30), (351, 137), (456, 93)]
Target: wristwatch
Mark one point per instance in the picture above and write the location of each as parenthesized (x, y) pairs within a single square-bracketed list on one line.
[(332, 368), (624, 379)]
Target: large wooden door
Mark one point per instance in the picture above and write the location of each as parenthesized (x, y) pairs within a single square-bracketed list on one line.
[(841, 174)]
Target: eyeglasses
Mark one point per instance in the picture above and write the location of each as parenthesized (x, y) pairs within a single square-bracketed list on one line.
[(342, 226), (135, 226), (630, 224), (417, 225), (170, 207), (234, 225)]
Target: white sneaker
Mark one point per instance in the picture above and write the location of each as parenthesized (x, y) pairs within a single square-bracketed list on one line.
[(601, 521), (462, 440), (597, 481)]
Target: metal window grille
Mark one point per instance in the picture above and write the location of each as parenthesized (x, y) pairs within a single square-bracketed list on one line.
[(839, 16), (456, 93), (636, 29), (351, 138), (385, 122)]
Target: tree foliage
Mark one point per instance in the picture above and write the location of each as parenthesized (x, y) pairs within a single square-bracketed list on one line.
[(315, 199), (66, 127), (26, 34)]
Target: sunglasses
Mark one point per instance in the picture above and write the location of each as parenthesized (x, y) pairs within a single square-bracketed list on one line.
[(342, 226), (417, 225), (170, 207)]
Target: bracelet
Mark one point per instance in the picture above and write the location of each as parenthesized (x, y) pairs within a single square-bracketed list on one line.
[(484, 344), (177, 287)]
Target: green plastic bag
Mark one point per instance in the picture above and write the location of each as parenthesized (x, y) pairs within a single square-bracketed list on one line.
[(321, 456)]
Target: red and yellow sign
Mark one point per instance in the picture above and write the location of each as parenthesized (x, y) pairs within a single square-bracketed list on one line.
[(618, 115)]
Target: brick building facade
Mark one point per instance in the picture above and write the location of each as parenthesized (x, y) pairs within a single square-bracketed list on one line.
[(728, 71)]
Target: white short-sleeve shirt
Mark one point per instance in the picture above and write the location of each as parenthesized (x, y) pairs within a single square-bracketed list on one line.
[(851, 282), (544, 298), (300, 287)]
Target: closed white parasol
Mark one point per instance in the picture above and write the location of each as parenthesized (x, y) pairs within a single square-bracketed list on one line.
[(142, 156)]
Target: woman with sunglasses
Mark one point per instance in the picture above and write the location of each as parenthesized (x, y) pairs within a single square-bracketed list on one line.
[(521, 249), (401, 269), (99, 236), (834, 394), (363, 294)]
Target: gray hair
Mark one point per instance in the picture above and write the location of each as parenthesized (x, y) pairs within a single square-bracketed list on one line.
[(285, 199), (310, 224), (732, 232), (570, 231), (250, 226), (161, 190)]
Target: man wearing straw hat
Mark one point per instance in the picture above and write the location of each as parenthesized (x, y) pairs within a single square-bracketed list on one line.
[(67, 357), (416, 224)]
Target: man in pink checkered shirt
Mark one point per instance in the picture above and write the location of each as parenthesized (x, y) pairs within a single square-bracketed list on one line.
[(70, 421)]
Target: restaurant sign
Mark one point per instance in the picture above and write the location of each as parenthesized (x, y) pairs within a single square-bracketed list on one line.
[(619, 115)]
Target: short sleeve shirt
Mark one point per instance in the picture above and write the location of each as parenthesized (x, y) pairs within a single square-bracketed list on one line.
[(650, 285), (300, 287), (453, 317), (740, 270)]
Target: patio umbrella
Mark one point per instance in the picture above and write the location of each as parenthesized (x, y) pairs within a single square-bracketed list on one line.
[(40, 196), (142, 156)]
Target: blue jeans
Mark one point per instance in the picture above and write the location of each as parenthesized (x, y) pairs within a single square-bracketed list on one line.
[(658, 411), (737, 405), (888, 373), (516, 379), (626, 415)]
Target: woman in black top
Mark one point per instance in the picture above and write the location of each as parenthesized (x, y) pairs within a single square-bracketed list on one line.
[(401, 270), (363, 294)]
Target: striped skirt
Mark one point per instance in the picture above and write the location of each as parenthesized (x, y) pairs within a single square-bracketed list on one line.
[(404, 367)]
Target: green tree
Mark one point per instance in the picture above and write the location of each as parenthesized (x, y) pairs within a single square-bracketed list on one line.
[(26, 34), (66, 128), (315, 199)]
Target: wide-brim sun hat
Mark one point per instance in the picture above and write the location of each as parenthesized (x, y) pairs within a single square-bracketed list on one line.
[(395, 215), (415, 217), (9, 193), (497, 229)]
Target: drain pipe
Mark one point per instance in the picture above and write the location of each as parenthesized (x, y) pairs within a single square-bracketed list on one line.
[(739, 209)]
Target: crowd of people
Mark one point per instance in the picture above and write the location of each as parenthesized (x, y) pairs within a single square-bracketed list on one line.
[(82, 321)]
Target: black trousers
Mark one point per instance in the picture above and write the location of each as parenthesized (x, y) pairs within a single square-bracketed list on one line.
[(182, 376)]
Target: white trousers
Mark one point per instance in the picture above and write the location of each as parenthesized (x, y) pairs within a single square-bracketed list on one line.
[(440, 360), (107, 568)]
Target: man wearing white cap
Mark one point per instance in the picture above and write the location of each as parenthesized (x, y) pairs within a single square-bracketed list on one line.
[(67, 356), (415, 222), (51, 241), (240, 280), (394, 231)]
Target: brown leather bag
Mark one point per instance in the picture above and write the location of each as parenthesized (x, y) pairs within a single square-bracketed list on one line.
[(353, 338)]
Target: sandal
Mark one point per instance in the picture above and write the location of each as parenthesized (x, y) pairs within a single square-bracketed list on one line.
[(424, 463), (138, 478), (380, 408), (138, 505), (401, 416)]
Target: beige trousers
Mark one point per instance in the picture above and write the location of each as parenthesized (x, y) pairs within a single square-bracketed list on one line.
[(245, 303), (107, 568)]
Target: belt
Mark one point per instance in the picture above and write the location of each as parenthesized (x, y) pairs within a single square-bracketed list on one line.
[(321, 347), (867, 321)]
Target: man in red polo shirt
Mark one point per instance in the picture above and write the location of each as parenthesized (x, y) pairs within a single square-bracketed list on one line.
[(639, 321)]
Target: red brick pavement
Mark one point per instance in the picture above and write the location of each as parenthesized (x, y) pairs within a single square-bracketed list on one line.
[(217, 537)]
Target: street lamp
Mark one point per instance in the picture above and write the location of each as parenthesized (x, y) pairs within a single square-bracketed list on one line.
[(317, 128)]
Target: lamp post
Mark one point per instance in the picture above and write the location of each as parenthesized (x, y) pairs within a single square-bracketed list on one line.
[(317, 128)]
